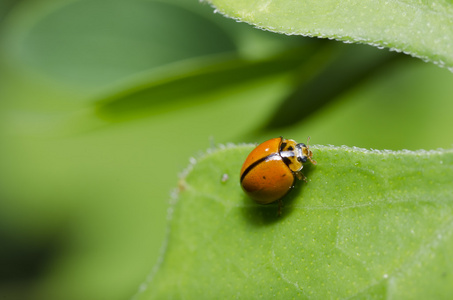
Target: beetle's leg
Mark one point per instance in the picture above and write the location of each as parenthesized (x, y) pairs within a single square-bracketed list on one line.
[(300, 176)]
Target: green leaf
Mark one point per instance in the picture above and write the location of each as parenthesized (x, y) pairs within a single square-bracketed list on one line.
[(421, 28), (329, 83), (195, 81), (367, 224), (101, 42)]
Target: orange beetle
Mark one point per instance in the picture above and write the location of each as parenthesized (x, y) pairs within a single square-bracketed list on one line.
[(270, 170)]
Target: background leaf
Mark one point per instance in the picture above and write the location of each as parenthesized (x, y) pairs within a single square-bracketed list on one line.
[(422, 29), (102, 45), (373, 224), (199, 81)]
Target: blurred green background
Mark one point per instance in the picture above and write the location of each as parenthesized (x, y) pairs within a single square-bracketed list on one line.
[(104, 102)]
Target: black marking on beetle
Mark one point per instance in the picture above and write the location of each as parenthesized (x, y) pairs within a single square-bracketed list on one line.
[(283, 175), (264, 177), (290, 148), (263, 159), (302, 159), (282, 146), (286, 160)]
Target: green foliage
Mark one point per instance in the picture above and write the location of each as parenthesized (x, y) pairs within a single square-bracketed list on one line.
[(421, 28), (367, 224), (191, 84), (103, 102)]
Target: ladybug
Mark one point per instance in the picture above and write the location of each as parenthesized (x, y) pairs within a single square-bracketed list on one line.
[(271, 169)]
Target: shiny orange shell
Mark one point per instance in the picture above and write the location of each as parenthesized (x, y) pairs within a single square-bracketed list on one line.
[(264, 176)]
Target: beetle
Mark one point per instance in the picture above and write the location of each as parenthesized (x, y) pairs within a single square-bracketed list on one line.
[(271, 169)]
